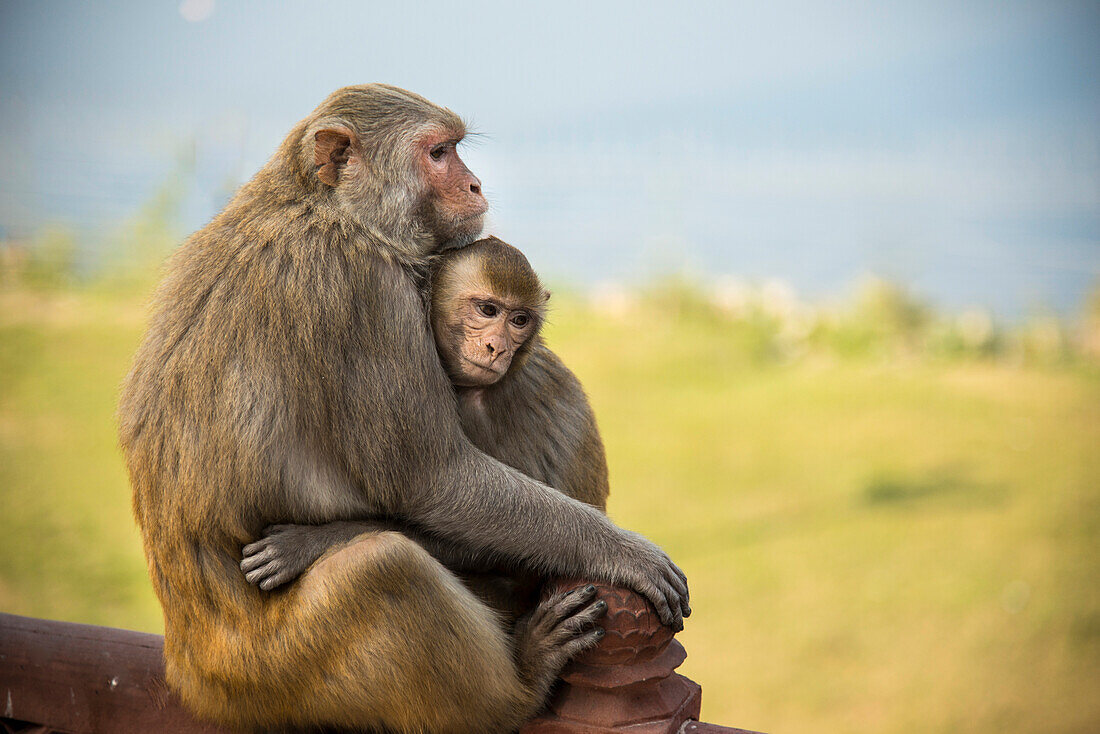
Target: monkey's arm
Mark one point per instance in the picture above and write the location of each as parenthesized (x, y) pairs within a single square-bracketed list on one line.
[(286, 551), (422, 469)]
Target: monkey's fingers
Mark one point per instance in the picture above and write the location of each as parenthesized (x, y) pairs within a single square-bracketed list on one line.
[(580, 622), (681, 578), (681, 605), (280, 577), (253, 548), (675, 577), (257, 576), (255, 559), (685, 603), (676, 593), (579, 644), (672, 600), (666, 602), (678, 581), (578, 632), (560, 606), (272, 574)]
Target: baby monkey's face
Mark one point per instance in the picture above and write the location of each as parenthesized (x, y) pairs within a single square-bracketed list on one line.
[(483, 333), (487, 306)]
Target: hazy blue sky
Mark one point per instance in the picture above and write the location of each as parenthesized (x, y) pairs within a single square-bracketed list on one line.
[(955, 146)]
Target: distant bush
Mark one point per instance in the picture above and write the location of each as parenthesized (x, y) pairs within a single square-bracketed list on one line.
[(1089, 335), (766, 322), (751, 327), (47, 261), (125, 259)]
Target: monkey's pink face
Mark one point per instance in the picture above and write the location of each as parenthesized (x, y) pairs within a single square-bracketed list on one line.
[(490, 331), (457, 205)]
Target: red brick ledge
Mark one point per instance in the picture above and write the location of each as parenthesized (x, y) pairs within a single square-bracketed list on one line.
[(82, 679)]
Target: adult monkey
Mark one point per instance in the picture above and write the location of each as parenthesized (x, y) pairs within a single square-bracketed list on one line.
[(288, 374)]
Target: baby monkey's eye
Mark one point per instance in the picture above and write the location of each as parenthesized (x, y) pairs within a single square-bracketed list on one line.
[(520, 319), (487, 309), (438, 151)]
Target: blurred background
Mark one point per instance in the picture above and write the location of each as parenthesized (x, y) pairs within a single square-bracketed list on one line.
[(829, 272)]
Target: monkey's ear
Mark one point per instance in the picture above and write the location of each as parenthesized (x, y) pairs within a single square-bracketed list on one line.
[(546, 295), (331, 149)]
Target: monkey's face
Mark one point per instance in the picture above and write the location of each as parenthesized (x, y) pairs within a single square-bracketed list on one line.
[(454, 207), (421, 178), (480, 335)]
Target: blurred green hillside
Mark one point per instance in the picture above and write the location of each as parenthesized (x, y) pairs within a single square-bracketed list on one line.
[(890, 518)]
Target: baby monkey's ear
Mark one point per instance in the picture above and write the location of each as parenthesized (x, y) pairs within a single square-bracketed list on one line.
[(546, 295)]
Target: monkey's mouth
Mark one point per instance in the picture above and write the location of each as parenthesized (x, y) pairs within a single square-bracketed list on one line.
[(472, 218), (497, 368), (473, 213)]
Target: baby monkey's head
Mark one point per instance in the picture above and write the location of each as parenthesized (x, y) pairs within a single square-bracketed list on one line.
[(487, 308)]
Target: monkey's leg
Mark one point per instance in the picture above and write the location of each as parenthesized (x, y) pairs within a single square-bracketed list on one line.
[(511, 595), (386, 637)]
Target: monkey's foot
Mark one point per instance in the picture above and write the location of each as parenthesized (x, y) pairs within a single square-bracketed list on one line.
[(561, 626)]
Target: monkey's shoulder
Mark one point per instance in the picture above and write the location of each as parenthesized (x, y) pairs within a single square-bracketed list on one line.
[(572, 454), (538, 420), (537, 389), (544, 372), (244, 270)]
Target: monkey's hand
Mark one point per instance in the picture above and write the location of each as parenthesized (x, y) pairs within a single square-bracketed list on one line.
[(648, 570), (286, 551)]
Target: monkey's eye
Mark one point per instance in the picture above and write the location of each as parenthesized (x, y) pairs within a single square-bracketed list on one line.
[(437, 152), (487, 309), (520, 319)]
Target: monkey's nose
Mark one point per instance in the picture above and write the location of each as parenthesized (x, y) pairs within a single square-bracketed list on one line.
[(475, 183), (494, 348)]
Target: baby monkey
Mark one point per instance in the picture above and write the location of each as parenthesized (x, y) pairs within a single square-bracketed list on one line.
[(516, 400)]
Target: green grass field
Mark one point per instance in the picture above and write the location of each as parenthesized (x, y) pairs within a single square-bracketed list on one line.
[(872, 546)]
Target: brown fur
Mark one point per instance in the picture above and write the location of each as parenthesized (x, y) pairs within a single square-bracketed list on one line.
[(289, 374)]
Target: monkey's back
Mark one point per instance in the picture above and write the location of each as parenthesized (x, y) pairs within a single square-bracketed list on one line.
[(233, 364)]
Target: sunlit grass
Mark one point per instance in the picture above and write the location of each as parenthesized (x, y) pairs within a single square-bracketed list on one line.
[(873, 545)]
